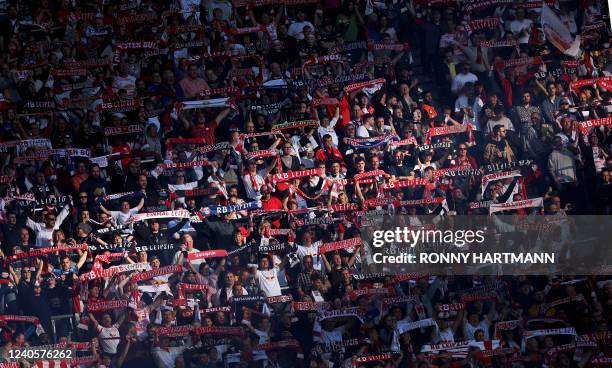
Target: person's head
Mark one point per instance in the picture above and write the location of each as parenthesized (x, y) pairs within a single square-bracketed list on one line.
[(40, 178), (168, 316), (18, 338), (360, 164), (375, 162), (81, 168), (264, 263), (551, 88), (24, 235), (192, 71), (301, 15), (188, 241), (11, 218), (132, 168), (142, 182), (83, 198), (337, 260), (328, 142), (50, 220), (154, 225), (307, 262), (368, 120), (125, 206), (499, 132), (499, 112), (558, 142), (107, 320), (37, 287), (465, 68)]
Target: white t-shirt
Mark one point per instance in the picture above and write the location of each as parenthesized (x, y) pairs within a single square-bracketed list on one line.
[(128, 83), (518, 26), (312, 250), (363, 132), (121, 217), (296, 29), (334, 335), (461, 79), (268, 282), (109, 338), (195, 263), (446, 334), (470, 330), (329, 130)]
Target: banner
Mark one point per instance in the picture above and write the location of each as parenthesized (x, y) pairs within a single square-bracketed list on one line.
[(291, 175), (353, 295), (549, 331), (527, 203), (365, 143), (361, 85), (114, 196), (340, 313), (216, 253), (293, 125), (405, 184), (162, 214), (505, 326), (155, 247), (28, 319), (221, 210), (372, 358), (497, 176), (524, 61), (166, 270), (106, 305), (498, 44), (439, 145), (119, 106), (309, 306), (451, 307), (558, 34), (584, 126), (109, 272), (484, 23), (232, 331), (342, 244), (44, 251)]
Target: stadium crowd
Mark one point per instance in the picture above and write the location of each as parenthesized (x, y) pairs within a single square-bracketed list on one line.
[(184, 183)]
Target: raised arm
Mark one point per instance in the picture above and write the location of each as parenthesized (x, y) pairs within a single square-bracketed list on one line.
[(140, 203), (93, 320), (353, 258), (103, 209)]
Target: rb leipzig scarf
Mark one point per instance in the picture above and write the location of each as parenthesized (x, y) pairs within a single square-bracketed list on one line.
[(586, 125), (166, 270), (215, 253), (162, 214), (342, 244), (106, 305), (527, 203)]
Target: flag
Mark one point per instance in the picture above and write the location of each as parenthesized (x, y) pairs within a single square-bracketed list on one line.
[(558, 34)]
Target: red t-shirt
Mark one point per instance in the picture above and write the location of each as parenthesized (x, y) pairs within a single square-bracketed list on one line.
[(206, 131), (273, 204)]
